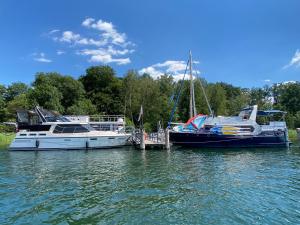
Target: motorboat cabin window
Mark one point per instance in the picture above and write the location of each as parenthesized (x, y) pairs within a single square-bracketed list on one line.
[(25, 117), (71, 128), (105, 127), (268, 117), (56, 119)]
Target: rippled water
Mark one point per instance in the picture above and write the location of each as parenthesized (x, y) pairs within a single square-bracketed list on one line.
[(126, 186)]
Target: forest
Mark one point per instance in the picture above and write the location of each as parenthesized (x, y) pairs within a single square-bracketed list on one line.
[(101, 91)]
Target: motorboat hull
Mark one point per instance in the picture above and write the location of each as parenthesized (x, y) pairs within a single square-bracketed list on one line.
[(208, 140), (69, 143)]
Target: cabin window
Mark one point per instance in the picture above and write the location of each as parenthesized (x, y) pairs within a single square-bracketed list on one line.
[(32, 134), (42, 134), (70, 128), (105, 127), (23, 134)]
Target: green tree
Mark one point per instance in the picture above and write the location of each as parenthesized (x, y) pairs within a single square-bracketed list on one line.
[(217, 99), (129, 92), (236, 97), (3, 111), (104, 89), (289, 97), (71, 90), (82, 107), (47, 96), (15, 89), (20, 101)]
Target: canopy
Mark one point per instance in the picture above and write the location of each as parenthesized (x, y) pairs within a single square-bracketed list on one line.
[(269, 112)]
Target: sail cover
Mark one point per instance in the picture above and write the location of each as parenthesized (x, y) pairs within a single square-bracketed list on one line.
[(194, 123)]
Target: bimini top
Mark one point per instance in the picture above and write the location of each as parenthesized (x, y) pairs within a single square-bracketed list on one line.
[(270, 112)]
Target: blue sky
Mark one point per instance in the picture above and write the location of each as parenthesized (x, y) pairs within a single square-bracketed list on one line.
[(246, 43)]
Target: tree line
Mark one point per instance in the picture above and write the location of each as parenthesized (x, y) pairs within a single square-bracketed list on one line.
[(101, 91)]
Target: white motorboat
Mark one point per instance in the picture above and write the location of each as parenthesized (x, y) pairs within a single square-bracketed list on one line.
[(44, 130)]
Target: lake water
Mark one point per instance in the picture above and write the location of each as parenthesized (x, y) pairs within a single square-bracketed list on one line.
[(127, 186)]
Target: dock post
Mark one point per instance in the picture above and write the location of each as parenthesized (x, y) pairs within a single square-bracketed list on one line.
[(167, 140), (142, 143)]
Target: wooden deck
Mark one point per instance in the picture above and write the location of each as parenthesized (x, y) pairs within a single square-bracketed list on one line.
[(151, 141)]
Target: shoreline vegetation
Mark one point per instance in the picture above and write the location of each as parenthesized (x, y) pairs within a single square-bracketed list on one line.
[(6, 139), (100, 91), (293, 136)]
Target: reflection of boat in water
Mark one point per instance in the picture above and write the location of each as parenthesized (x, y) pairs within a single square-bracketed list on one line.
[(41, 129), (251, 128)]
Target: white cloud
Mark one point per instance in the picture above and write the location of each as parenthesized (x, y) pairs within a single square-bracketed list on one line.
[(110, 46), (69, 36), (267, 80), (106, 58), (289, 82), (153, 72), (87, 22), (172, 67), (60, 52), (106, 55), (108, 30), (41, 57), (53, 31), (295, 61)]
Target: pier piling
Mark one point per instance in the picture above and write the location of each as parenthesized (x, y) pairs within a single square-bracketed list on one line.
[(142, 143), (167, 140)]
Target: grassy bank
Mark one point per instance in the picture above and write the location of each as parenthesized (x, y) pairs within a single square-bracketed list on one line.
[(293, 135), (6, 139)]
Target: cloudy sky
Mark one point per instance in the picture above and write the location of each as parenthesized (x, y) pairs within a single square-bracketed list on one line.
[(246, 43)]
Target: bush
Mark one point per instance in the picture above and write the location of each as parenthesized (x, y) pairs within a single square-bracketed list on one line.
[(7, 128)]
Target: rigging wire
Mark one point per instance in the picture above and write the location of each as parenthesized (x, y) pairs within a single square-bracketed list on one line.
[(205, 96), (178, 95)]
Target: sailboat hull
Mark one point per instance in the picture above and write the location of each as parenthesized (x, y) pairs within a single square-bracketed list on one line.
[(208, 140)]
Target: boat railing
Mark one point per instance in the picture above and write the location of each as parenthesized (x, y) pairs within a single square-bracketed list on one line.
[(157, 137), (272, 126), (107, 119)]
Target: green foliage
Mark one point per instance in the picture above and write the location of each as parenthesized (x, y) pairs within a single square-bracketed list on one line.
[(289, 97), (14, 90), (217, 99), (47, 96), (100, 91), (19, 102), (82, 107), (293, 136), (6, 139), (103, 88), (236, 97), (148, 127), (3, 110), (70, 90)]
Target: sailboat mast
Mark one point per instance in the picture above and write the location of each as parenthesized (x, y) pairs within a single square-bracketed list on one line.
[(193, 111), (191, 86)]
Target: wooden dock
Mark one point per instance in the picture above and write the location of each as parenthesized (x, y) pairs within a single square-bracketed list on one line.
[(152, 145), (151, 141)]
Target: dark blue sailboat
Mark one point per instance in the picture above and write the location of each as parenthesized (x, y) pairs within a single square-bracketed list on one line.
[(245, 130)]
